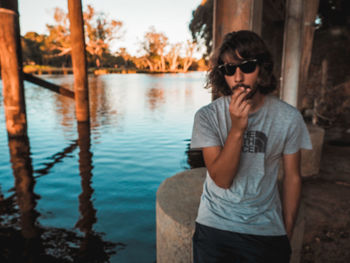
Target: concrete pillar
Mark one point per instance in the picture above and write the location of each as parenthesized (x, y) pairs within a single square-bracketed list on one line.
[(79, 60), (11, 71), (234, 15), (311, 159), (176, 210), (292, 49), (310, 9)]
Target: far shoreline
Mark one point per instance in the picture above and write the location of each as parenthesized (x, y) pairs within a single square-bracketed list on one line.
[(47, 70)]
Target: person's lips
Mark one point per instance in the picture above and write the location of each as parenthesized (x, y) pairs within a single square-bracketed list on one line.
[(238, 86), (249, 95)]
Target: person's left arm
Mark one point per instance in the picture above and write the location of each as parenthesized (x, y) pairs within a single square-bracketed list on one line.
[(291, 190)]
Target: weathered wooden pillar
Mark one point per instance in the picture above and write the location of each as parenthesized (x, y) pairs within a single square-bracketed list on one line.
[(234, 15), (79, 60), (11, 70), (292, 49)]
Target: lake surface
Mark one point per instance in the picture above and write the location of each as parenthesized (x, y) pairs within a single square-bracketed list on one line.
[(85, 193)]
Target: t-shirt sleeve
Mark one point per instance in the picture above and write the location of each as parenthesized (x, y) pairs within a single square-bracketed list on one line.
[(204, 133), (297, 136)]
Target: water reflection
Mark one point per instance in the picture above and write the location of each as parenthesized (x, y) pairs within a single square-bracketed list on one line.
[(92, 246), (23, 239), (103, 109), (155, 98), (56, 158), (139, 124), (26, 199), (87, 211)]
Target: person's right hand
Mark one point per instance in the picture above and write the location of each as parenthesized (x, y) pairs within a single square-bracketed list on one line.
[(239, 109)]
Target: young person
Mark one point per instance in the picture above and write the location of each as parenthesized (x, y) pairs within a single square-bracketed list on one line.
[(243, 136)]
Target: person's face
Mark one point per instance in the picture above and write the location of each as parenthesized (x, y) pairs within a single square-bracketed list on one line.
[(239, 78)]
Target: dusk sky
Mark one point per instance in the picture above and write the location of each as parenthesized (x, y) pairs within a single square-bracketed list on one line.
[(169, 17)]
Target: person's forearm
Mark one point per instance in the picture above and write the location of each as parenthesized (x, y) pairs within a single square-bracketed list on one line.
[(291, 199), (226, 164)]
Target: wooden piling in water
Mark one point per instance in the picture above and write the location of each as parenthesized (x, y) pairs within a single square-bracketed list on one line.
[(48, 85), (79, 60), (11, 71)]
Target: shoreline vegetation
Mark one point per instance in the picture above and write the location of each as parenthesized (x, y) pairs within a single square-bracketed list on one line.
[(49, 70), (50, 53)]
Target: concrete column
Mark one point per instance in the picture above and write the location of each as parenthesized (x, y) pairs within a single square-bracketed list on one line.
[(310, 10), (79, 60), (311, 159), (176, 211), (292, 49), (11, 71), (234, 15)]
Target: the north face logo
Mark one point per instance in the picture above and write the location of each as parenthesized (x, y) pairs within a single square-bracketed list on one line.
[(254, 142)]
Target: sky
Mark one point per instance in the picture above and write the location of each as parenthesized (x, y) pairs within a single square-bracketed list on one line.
[(170, 17)]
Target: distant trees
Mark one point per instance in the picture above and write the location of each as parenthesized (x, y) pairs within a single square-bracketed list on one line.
[(32, 48), (156, 54), (153, 45), (100, 31), (162, 56), (201, 25)]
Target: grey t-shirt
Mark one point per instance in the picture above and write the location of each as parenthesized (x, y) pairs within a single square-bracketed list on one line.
[(252, 204)]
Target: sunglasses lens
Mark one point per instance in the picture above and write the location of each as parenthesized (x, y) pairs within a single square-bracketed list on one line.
[(230, 69), (245, 67), (248, 67)]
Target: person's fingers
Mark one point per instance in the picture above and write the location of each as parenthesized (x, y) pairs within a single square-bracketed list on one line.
[(241, 97), (236, 93), (238, 96), (246, 108), (242, 107)]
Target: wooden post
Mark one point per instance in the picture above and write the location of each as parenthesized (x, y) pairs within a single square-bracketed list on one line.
[(79, 60), (11, 70), (234, 15), (310, 9), (292, 48)]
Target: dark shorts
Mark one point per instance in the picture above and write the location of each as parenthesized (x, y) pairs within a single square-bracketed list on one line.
[(213, 245)]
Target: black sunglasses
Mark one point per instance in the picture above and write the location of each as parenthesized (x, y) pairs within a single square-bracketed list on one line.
[(247, 66)]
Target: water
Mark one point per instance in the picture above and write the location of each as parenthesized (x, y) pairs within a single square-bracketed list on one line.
[(99, 194)]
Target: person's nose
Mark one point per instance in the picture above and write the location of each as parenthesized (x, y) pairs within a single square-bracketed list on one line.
[(239, 76)]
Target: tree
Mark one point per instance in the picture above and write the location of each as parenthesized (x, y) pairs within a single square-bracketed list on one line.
[(172, 58), (201, 25), (32, 44), (154, 45), (100, 31), (188, 59), (58, 39)]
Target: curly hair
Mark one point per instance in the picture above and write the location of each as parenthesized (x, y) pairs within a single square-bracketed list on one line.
[(249, 46)]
